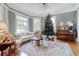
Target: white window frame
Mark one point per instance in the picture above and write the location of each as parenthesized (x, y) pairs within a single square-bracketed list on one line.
[(22, 20)]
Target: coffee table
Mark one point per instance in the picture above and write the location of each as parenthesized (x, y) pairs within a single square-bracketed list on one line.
[(37, 41)]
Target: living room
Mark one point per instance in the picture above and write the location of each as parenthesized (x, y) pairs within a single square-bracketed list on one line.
[(39, 29)]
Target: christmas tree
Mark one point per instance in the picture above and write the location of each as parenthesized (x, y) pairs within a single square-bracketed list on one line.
[(49, 29)]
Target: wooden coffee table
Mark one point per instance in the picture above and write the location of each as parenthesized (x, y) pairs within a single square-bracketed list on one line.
[(37, 41)]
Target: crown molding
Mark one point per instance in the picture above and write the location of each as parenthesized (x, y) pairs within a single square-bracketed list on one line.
[(11, 9)]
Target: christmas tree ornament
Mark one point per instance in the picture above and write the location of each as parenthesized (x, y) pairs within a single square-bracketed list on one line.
[(49, 29)]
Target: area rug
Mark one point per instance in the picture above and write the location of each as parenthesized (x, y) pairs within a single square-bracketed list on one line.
[(47, 49)]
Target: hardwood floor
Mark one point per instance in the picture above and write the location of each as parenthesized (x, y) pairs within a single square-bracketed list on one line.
[(73, 45)]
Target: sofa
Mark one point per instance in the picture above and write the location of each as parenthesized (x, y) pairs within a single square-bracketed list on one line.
[(24, 37)]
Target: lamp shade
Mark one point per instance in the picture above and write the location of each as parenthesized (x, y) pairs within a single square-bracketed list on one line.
[(3, 26), (2, 37)]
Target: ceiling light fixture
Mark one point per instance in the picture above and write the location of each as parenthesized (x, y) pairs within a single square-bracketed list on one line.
[(44, 5)]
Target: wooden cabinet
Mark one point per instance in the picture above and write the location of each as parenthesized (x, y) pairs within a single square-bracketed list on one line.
[(65, 34)]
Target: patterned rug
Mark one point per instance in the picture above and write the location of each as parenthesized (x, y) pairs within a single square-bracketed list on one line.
[(47, 49)]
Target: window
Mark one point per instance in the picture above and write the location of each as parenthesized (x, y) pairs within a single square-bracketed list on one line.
[(3, 25), (37, 24), (54, 22), (21, 24)]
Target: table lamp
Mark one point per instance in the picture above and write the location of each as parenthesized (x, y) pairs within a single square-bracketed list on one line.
[(3, 27)]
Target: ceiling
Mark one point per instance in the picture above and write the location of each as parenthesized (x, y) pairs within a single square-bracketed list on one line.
[(39, 10)]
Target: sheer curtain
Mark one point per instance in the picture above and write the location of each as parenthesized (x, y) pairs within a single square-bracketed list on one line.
[(30, 24), (42, 23)]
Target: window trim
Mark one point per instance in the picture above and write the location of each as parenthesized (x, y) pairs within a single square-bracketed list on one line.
[(21, 20)]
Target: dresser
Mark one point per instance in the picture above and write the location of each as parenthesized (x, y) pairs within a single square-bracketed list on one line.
[(65, 34)]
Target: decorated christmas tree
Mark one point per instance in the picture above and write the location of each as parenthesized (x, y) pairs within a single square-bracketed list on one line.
[(49, 29)]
